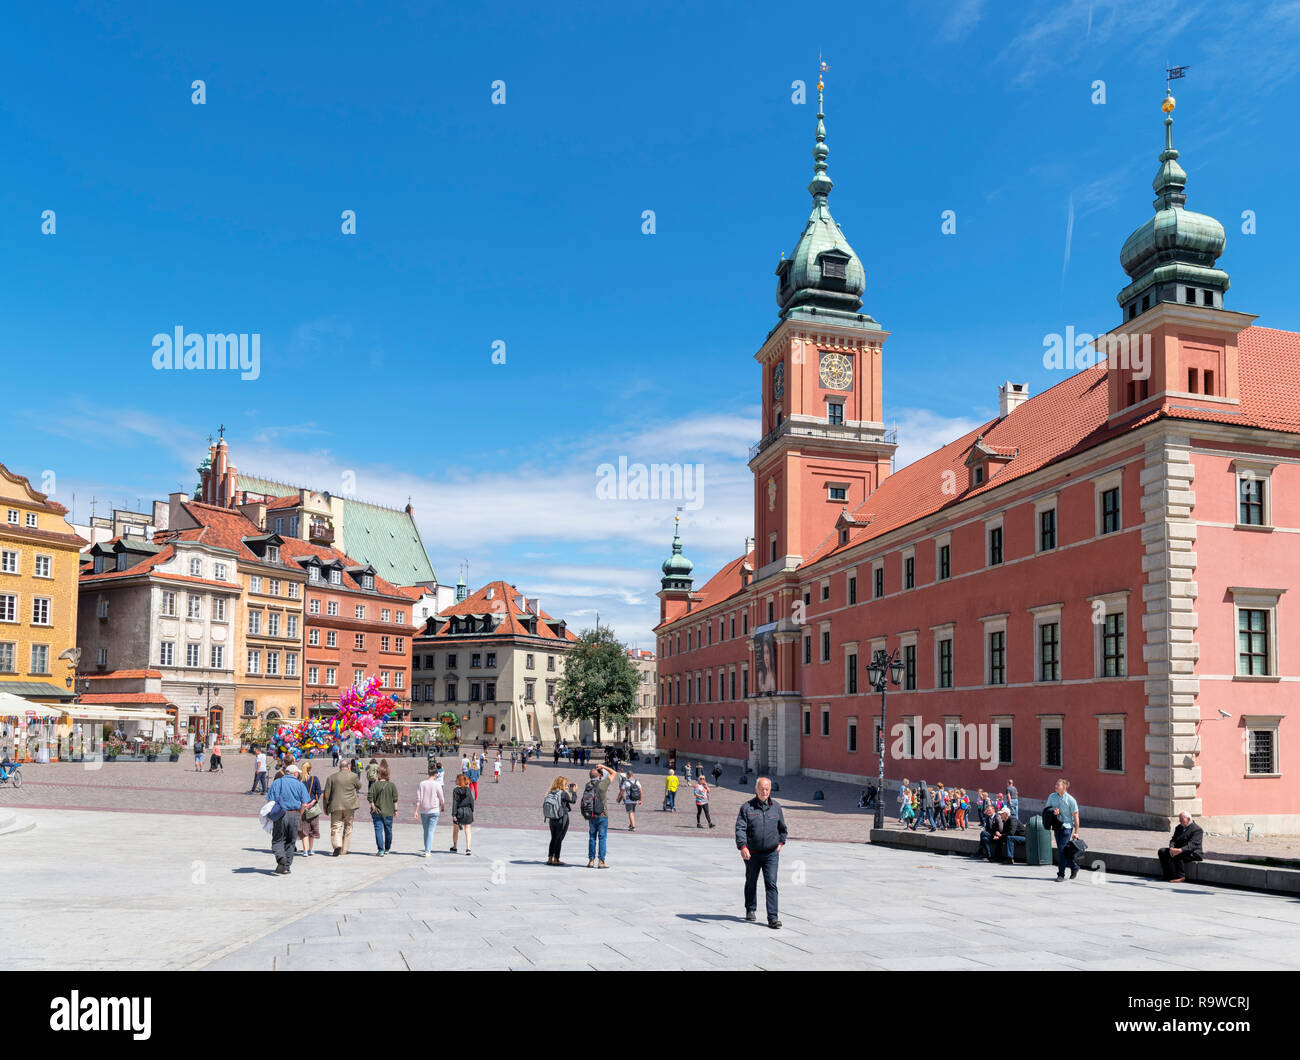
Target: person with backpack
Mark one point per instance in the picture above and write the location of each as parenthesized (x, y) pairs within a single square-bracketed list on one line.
[(702, 801), (594, 811), (629, 793), (556, 805), (372, 772), (309, 822), (462, 812)]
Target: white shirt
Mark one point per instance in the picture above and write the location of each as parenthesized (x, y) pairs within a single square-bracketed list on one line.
[(261, 761)]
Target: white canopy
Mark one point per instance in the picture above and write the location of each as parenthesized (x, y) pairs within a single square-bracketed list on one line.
[(12, 706)]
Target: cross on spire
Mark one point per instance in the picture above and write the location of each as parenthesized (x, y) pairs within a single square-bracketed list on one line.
[(221, 432)]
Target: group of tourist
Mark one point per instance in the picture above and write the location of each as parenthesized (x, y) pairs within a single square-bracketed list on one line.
[(948, 808)]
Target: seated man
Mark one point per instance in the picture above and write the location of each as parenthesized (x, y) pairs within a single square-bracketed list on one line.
[(1013, 833), (990, 826), (1183, 848)]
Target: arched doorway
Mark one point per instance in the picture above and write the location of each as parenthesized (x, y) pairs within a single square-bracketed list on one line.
[(764, 749)]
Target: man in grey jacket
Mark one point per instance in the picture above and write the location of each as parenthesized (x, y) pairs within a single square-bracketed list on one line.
[(760, 835)]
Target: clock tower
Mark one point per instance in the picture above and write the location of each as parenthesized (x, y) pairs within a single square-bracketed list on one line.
[(823, 446)]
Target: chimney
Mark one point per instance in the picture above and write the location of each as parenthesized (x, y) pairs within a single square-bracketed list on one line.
[(160, 513), (1011, 395), (534, 605)]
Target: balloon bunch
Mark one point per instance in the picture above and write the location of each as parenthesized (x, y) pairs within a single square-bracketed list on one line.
[(361, 713)]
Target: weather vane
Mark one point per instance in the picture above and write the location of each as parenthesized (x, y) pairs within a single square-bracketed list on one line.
[(1173, 73), (822, 68)]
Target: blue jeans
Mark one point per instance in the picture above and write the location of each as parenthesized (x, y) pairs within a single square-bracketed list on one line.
[(597, 827), (1011, 843), (383, 832), (1015, 809), (429, 822), (672, 800), (1063, 860)]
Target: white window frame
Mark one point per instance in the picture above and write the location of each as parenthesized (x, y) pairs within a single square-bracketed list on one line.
[(939, 542), (1107, 722), (1043, 504), (1045, 614), (1252, 469), (996, 624), (1115, 603), (908, 553), (48, 563), (851, 726), (1255, 599), (1261, 723), (996, 523), (1113, 480), (1000, 722), (1045, 722)]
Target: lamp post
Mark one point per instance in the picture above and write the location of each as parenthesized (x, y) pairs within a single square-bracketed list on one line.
[(883, 668)]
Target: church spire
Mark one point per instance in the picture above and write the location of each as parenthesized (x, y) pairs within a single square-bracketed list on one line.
[(1171, 256), (821, 184), (822, 272)]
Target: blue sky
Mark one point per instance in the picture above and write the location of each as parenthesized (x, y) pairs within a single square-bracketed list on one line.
[(522, 224)]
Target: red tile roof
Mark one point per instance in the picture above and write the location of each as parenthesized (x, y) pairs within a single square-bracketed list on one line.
[(501, 598), (116, 698), (282, 502), (113, 674), (718, 589)]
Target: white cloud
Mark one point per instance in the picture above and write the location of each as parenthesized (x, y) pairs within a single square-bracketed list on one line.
[(921, 432)]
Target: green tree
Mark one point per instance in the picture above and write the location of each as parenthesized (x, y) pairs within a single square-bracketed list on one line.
[(446, 734), (599, 682)]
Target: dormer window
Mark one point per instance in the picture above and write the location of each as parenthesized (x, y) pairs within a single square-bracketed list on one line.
[(121, 561), (834, 268), (977, 474), (273, 553), (313, 574), (336, 577), (367, 581)]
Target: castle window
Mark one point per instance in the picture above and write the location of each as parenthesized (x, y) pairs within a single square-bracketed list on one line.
[(834, 268), (1209, 382), (1189, 295), (1207, 297), (835, 413), (1191, 380), (978, 475), (838, 493)]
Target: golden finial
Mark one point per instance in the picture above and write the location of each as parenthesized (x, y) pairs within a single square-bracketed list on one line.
[(1168, 105), (823, 67), (1172, 73)]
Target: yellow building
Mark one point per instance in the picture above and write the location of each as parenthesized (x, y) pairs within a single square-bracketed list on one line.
[(40, 557)]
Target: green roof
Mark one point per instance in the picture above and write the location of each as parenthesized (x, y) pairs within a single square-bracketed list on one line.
[(386, 538)]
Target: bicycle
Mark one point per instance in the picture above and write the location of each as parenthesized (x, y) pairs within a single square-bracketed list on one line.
[(10, 771)]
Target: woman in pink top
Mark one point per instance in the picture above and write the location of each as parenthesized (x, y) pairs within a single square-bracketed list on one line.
[(429, 803)]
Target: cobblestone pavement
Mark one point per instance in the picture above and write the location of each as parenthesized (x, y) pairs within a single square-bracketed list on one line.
[(173, 787), (124, 890)]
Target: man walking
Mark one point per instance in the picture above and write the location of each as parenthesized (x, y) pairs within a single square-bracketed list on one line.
[(594, 810), (760, 835), (342, 800), (289, 793), (1066, 827), (630, 792), (1183, 849), (259, 772)]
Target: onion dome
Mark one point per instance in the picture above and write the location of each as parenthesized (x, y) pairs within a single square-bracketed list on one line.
[(677, 568), (1171, 257), (822, 270)]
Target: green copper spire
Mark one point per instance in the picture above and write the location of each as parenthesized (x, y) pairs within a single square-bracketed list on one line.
[(1172, 256), (822, 271), (677, 568)]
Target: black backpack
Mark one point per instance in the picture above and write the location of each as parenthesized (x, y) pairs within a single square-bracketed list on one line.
[(591, 800)]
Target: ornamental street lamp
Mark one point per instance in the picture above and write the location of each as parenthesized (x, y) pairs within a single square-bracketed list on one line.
[(883, 668)]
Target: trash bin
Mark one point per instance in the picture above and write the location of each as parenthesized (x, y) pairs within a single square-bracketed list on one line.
[(1038, 843)]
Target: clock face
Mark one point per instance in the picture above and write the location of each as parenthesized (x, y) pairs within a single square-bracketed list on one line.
[(836, 371), (778, 381)]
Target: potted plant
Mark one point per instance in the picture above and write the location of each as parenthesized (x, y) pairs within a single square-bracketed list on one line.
[(173, 752), (150, 750), (112, 749)]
